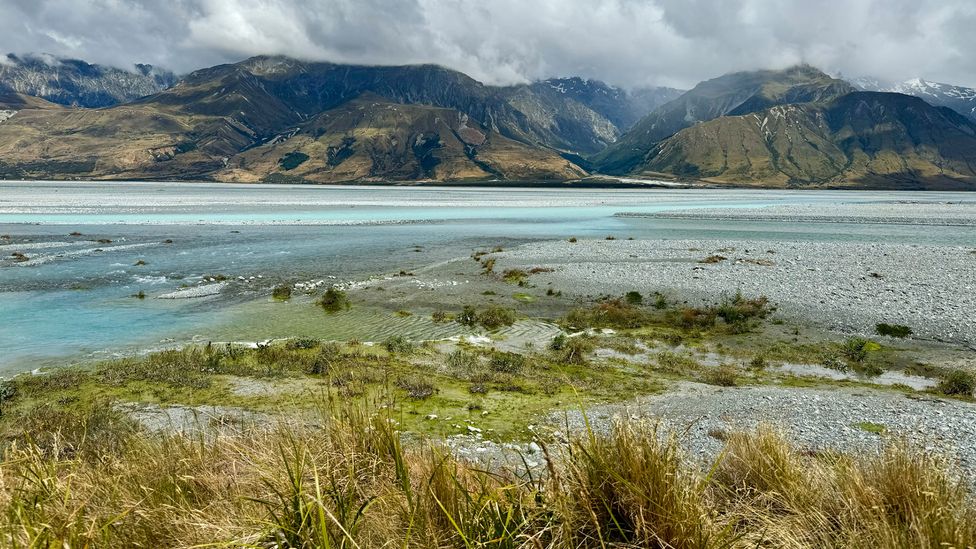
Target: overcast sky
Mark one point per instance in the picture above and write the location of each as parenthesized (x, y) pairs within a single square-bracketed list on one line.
[(625, 42)]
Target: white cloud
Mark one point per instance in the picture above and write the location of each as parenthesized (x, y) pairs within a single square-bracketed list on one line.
[(629, 42)]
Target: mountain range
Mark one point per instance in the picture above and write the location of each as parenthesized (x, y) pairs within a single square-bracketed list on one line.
[(73, 82), (277, 119)]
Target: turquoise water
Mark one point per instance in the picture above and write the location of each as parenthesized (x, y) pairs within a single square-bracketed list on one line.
[(71, 300)]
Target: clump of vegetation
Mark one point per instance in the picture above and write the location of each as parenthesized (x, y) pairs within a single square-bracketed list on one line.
[(515, 276), (572, 350), (507, 363), (334, 300), (855, 349), (724, 375), (572, 240), (715, 258), (613, 313), (491, 318), (693, 318), (634, 298), (302, 343), (958, 383), (462, 361), (353, 482), (416, 388), (893, 330), (870, 427), (281, 292), (659, 301), (398, 345), (738, 312), (439, 316), (488, 265), (139, 263)]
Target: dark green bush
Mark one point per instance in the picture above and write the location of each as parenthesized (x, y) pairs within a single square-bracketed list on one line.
[(334, 300), (281, 292), (495, 317), (634, 298), (398, 345), (958, 382), (893, 330)]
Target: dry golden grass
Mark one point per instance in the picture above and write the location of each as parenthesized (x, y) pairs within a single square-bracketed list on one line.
[(95, 482)]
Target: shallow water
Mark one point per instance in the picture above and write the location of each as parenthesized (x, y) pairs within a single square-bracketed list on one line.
[(71, 298)]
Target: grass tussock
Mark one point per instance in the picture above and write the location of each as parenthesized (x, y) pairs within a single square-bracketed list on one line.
[(354, 483)]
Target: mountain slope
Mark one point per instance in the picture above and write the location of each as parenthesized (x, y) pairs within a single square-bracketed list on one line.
[(369, 138), (863, 139), (269, 94), (731, 94), (77, 83), (958, 98), (238, 121)]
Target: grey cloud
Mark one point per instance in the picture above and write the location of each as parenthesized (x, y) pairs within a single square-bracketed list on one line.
[(627, 42)]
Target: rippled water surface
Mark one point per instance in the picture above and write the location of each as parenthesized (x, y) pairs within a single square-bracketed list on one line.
[(69, 295)]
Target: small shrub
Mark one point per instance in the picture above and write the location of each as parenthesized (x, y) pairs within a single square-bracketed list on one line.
[(758, 363), (515, 276), (613, 313), (574, 350), (398, 345), (690, 318), (723, 376), (634, 298), (738, 309), (439, 316), (507, 363), (297, 343), (893, 330), (855, 349), (495, 317), (328, 356), (282, 292), (468, 316), (461, 360), (958, 382), (573, 240), (659, 301), (334, 300), (558, 342), (416, 388)]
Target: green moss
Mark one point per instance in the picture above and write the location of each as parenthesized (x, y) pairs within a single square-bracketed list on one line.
[(870, 427)]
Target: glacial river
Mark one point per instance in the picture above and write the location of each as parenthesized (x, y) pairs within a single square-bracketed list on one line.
[(84, 249)]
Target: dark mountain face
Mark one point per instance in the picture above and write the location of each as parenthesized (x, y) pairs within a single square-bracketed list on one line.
[(862, 139), (731, 94), (76, 83), (268, 95)]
